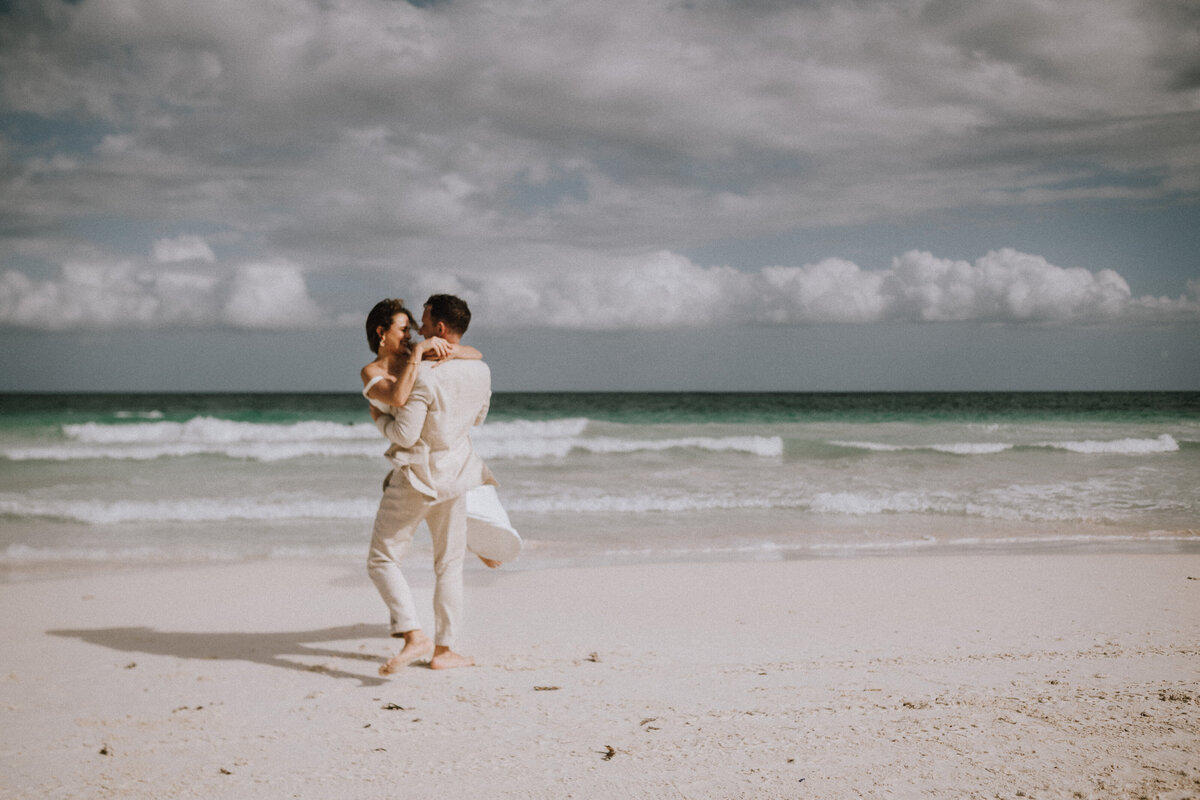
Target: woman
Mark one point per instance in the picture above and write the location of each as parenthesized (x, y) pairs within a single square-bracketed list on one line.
[(387, 384)]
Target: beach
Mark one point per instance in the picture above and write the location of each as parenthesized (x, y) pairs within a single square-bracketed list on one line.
[(1070, 675), (972, 595)]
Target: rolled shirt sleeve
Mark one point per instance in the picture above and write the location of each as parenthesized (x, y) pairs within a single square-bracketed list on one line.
[(404, 427), (483, 412)]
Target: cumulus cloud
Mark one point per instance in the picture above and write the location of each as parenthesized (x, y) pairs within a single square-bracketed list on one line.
[(668, 291), (655, 291), (89, 296), (183, 248), (1005, 286), (270, 296), (103, 296)]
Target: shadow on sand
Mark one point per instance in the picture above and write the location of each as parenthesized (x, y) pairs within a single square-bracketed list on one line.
[(271, 649)]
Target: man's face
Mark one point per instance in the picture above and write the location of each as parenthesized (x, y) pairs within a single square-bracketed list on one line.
[(427, 330)]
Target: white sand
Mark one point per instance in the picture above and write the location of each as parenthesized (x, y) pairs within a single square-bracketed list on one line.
[(958, 677)]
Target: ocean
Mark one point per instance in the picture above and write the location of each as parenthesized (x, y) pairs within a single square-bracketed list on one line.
[(608, 478)]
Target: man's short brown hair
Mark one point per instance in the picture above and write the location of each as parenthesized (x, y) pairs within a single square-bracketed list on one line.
[(449, 310)]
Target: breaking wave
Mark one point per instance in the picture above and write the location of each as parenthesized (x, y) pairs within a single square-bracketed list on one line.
[(1130, 447), (208, 436)]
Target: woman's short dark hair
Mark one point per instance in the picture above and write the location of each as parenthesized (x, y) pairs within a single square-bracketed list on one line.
[(451, 310), (382, 316)]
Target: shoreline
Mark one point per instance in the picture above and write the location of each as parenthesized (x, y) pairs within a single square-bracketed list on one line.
[(1072, 675), (1161, 543)]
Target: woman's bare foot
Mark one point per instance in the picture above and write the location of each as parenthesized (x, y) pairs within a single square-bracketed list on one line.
[(416, 646), (445, 658)]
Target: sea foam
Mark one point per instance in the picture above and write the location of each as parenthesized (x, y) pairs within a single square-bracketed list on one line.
[(636, 502), (1162, 444), (277, 507), (1129, 446), (207, 436), (210, 430)]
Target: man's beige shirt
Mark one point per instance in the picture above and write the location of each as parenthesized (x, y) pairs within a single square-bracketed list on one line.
[(431, 433)]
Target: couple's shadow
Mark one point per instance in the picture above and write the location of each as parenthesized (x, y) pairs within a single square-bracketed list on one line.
[(271, 649)]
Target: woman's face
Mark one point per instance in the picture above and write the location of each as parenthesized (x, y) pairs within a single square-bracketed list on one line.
[(395, 338)]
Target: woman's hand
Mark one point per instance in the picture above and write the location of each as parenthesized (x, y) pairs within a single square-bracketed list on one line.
[(436, 348)]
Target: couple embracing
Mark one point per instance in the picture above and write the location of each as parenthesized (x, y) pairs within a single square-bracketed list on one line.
[(425, 398)]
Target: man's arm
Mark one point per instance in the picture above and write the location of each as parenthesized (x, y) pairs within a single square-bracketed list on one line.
[(483, 412), (405, 427)]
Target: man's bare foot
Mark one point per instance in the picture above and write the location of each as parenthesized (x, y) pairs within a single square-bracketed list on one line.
[(491, 564), (445, 658), (416, 646)]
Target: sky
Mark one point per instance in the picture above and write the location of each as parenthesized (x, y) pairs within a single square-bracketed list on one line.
[(716, 195)]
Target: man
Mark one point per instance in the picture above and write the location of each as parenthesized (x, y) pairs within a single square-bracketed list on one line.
[(438, 467)]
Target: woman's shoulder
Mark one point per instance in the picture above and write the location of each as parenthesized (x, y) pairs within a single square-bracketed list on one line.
[(372, 370)]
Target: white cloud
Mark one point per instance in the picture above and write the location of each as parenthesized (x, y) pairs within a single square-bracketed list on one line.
[(1005, 286), (832, 290), (655, 291), (664, 290), (89, 296), (119, 295), (183, 248), (271, 296)]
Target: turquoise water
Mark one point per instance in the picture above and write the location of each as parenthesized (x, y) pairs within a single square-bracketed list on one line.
[(21, 410), (610, 478), (861, 407)]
